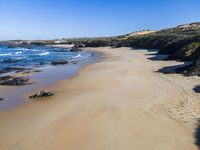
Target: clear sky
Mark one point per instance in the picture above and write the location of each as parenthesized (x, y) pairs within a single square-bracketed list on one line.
[(49, 19)]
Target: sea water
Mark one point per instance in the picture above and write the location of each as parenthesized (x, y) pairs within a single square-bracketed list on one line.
[(36, 56)]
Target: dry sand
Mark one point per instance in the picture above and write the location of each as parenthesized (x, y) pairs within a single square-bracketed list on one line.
[(139, 33), (120, 103)]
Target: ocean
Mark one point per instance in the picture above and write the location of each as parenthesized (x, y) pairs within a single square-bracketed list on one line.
[(14, 58)]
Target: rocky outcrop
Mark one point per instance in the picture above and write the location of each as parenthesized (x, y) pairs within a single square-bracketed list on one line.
[(187, 52), (14, 81), (42, 94), (190, 70)]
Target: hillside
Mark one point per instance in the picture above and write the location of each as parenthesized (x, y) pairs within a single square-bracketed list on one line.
[(181, 43)]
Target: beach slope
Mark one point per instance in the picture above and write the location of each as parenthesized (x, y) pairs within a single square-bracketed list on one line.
[(120, 103)]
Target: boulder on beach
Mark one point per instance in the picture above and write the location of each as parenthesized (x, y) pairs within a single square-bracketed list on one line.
[(42, 94)]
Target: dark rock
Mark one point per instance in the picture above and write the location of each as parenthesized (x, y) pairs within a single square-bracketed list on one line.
[(11, 61), (3, 71), (4, 78), (75, 61), (75, 49), (190, 70), (61, 62), (42, 94), (31, 71), (1, 99), (15, 69), (14, 81), (42, 63), (37, 70)]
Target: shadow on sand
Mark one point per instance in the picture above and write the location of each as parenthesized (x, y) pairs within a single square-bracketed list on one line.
[(157, 57), (197, 89), (168, 69), (154, 54), (171, 69), (197, 135)]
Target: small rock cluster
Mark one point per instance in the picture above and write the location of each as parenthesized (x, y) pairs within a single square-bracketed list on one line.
[(42, 94), (14, 69), (14, 81), (31, 71)]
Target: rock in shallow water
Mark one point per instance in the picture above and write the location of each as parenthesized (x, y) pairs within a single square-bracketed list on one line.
[(31, 71), (14, 81), (1, 99), (3, 71), (42, 94), (75, 49), (13, 69), (62, 62)]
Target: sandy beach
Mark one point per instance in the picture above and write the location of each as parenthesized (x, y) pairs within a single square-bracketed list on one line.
[(120, 103)]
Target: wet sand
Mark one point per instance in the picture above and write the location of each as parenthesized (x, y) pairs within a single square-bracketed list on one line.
[(120, 103)]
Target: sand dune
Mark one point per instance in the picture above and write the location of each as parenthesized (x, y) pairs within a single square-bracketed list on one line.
[(120, 103)]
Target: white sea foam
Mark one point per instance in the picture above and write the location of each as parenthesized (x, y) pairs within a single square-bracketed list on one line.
[(34, 50), (77, 56), (23, 49), (43, 54), (20, 52), (7, 54), (19, 58)]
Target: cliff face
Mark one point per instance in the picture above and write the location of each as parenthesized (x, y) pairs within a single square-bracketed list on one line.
[(180, 43)]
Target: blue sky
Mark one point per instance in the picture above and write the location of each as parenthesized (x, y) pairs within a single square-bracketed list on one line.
[(49, 19)]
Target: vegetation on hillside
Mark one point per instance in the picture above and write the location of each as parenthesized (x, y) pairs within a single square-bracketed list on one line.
[(180, 43)]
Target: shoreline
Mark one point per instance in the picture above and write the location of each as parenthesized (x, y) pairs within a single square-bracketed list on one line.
[(97, 57), (121, 102), (14, 96)]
